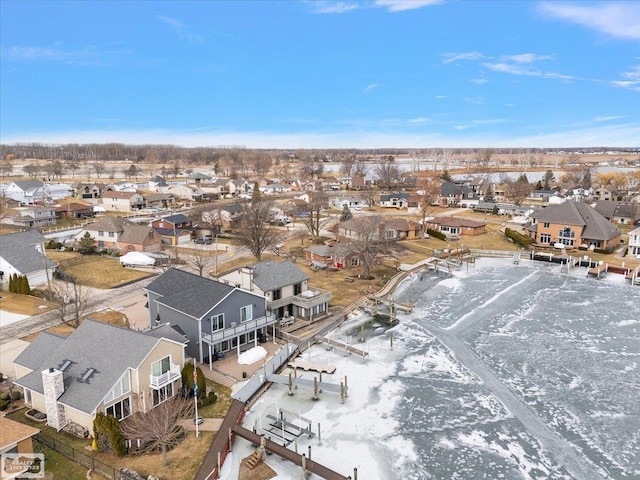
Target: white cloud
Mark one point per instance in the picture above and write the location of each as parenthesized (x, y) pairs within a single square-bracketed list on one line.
[(610, 134), (616, 19), (441, 97), (86, 55), (479, 81), (180, 29), (418, 121), (454, 57), (370, 88), (608, 119), (402, 5), (631, 79), (333, 7), (525, 58), (474, 100)]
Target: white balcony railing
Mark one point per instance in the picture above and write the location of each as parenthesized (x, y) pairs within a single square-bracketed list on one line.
[(159, 381), (237, 329), (303, 300)]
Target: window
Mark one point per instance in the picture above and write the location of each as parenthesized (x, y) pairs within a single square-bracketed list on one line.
[(161, 366), (101, 233), (217, 322), (246, 313), (545, 224), (545, 238), (355, 261), (100, 244), (121, 409), (297, 288), (112, 234), (123, 386), (162, 394), (276, 294)]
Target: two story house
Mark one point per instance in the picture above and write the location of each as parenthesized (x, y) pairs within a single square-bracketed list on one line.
[(123, 201), (574, 225), (634, 242), (174, 229), (285, 287), (33, 216), (23, 254), (99, 368), (215, 317), (120, 234)]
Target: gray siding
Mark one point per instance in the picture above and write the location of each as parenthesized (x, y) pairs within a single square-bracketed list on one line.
[(231, 306)]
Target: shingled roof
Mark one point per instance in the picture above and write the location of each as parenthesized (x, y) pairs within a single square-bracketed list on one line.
[(271, 275), (595, 226), (19, 250), (106, 348), (188, 293)]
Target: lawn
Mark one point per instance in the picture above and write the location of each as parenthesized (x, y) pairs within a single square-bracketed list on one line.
[(183, 461), (57, 465), (219, 408), (23, 304), (96, 271)]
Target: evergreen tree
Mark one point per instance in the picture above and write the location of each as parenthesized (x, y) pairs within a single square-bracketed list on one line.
[(346, 214), (24, 285), (86, 245), (446, 176)]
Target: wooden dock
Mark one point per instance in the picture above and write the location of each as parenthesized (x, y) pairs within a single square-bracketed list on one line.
[(295, 458), (633, 276), (343, 346), (308, 383), (598, 270), (311, 366)]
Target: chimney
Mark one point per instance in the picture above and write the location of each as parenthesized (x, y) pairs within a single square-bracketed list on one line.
[(53, 387)]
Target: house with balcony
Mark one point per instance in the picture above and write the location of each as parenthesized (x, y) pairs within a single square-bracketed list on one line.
[(174, 229), (215, 316), (285, 287), (634, 242), (100, 368), (574, 225)]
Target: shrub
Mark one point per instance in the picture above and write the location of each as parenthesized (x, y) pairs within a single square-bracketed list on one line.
[(5, 396), (187, 380), (52, 245), (106, 431), (436, 234), (16, 395), (3, 405), (212, 397), (518, 238), (244, 374)]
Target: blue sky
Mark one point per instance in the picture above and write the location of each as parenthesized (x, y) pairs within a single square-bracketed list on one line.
[(309, 74)]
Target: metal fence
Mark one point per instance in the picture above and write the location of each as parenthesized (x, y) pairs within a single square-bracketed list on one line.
[(82, 458)]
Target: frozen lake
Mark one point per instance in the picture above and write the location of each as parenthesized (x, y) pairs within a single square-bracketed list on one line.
[(500, 372)]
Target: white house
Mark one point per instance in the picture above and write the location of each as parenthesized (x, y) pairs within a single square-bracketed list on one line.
[(26, 192), (23, 254), (123, 201), (634, 242)]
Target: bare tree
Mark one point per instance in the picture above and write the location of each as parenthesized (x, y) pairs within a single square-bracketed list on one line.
[(71, 302), (257, 233), (369, 241), (316, 221), (388, 173), (99, 168), (201, 260), (260, 163), (157, 429), (429, 193)]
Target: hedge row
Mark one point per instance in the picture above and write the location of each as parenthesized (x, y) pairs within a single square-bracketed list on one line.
[(19, 284), (518, 238), (436, 234)]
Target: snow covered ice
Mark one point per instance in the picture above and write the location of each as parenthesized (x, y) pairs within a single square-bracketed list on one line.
[(501, 371)]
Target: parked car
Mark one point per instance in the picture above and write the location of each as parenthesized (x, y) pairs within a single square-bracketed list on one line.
[(203, 241)]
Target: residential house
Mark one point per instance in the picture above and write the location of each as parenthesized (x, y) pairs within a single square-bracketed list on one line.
[(452, 195), (238, 186), (370, 227), (405, 229), (23, 254), (120, 234), (157, 183), (634, 242), (358, 182), (99, 368), (27, 192), (575, 225), (454, 227), (74, 210), (187, 192), (197, 178), (32, 216), (350, 202), (606, 192), (338, 255), (214, 316), (16, 438), (227, 217), (174, 229), (274, 188), (394, 200), (87, 190), (159, 200), (125, 186), (285, 287), (619, 213), (122, 201)]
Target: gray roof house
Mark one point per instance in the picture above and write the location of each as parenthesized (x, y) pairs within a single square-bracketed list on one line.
[(214, 316), (99, 368), (285, 287), (573, 224), (22, 254)]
